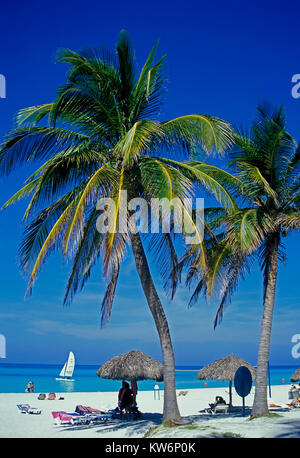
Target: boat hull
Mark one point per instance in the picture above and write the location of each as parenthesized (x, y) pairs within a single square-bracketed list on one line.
[(65, 379)]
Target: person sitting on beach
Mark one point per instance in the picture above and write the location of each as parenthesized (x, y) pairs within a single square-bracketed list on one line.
[(294, 403), (219, 400), (125, 399)]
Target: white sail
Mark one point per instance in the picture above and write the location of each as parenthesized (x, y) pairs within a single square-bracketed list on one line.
[(68, 369), (62, 372)]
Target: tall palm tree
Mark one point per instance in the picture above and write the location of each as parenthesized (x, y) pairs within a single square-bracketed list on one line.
[(101, 136), (266, 184)]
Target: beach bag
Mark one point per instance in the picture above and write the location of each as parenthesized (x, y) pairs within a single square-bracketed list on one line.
[(42, 396)]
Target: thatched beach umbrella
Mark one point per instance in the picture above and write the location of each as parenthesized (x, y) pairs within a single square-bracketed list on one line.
[(296, 376), (225, 369), (132, 366)]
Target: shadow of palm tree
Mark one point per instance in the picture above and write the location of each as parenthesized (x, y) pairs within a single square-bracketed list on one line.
[(290, 429), (139, 426)]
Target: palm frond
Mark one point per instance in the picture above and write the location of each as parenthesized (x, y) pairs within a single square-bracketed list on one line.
[(211, 133)]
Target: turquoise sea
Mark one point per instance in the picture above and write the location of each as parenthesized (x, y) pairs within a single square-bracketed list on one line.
[(14, 379)]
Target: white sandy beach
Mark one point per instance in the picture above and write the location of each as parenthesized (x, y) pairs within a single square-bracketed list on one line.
[(14, 424)]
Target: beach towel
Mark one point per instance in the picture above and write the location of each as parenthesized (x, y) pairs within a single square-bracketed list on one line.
[(62, 417), (85, 410), (91, 410), (82, 410)]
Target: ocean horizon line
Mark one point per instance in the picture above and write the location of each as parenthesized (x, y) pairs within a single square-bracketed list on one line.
[(189, 367)]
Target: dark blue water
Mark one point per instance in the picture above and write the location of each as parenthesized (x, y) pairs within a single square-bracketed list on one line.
[(14, 379)]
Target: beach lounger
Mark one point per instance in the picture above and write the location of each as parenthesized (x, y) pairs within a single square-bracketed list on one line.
[(74, 418), (277, 405), (62, 417), (221, 408), (25, 408)]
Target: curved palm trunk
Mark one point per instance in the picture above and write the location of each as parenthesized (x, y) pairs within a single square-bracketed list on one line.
[(171, 410), (260, 404)]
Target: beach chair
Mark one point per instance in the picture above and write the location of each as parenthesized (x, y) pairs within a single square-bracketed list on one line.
[(218, 408), (25, 408), (93, 415), (66, 418), (221, 408)]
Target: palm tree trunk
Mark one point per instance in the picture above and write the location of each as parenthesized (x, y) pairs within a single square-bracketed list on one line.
[(171, 410), (260, 404)]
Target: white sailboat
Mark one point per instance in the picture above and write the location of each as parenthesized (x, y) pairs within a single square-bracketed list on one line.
[(68, 369)]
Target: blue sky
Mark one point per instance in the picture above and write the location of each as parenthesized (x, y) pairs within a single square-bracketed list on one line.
[(222, 59)]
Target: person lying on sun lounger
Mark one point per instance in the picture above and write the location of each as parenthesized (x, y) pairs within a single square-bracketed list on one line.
[(219, 401), (294, 403)]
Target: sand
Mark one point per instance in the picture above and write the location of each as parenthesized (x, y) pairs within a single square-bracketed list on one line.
[(282, 422)]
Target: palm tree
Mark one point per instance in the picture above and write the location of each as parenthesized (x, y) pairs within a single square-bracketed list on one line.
[(100, 137), (266, 183)]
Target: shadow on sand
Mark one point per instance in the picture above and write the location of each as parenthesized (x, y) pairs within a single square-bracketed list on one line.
[(134, 427), (290, 428)]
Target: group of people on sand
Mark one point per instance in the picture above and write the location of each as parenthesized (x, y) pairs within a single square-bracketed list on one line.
[(30, 387), (294, 394), (294, 388)]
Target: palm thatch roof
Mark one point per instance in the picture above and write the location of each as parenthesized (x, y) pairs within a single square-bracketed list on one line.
[(134, 365), (224, 369), (296, 376)]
